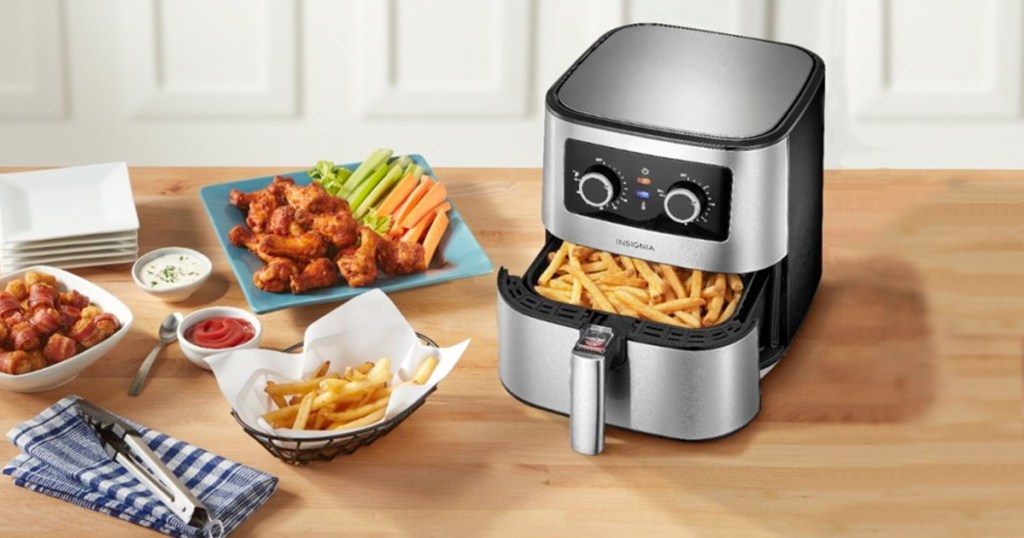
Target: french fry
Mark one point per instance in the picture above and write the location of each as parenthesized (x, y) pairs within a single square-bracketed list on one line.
[(560, 285), (735, 282), (320, 421), (688, 319), (556, 262), (425, 369), (622, 278), (609, 261), (597, 296), (639, 293), (589, 267), (679, 304), (627, 264), (297, 387), (668, 273), (302, 416), (622, 307), (279, 400), (357, 412), (576, 295), (645, 310), (561, 296), (286, 413), (655, 285), (729, 310), (359, 422)]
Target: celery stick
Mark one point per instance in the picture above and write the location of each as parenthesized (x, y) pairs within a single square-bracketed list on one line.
[(366, 169), (394, 175), (417, 171), (365, 187), (341, 174)]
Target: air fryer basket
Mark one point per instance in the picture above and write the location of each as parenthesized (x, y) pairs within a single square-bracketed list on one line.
[(761, 290)]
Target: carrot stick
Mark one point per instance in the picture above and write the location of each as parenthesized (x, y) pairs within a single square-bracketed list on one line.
[(398, 195), (433, 198), (434, 235), (416, 232), (410, 202)]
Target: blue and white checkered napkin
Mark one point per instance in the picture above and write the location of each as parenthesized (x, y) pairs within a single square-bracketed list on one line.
[(62, 457)]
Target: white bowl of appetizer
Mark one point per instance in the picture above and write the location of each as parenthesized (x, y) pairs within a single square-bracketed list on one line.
[(53, 325), (172, 273)]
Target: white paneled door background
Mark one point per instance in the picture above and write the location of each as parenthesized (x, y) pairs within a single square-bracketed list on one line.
[(911, 83)]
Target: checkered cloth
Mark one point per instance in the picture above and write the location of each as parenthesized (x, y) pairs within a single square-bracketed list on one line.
[(61, 456)]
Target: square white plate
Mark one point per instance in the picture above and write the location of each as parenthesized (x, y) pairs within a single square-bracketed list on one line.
[(51, 258), (81, 240), (66, 202), (69, 264), (69, 249)]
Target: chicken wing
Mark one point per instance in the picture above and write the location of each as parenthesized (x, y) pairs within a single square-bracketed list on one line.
[(320, 273), (358, 265), (302, 248), (400, 257), (261, 207), (240, 199), (339, 228), (312, 198), (276, 276), (240, 236), (283, 222)]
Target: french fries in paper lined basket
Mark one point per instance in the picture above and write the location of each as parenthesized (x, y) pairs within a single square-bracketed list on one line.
[(338, 401)]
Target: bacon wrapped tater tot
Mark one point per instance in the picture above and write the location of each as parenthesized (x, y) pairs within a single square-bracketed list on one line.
[(59, 348), (15, 362), (41, 295), (25, 337)]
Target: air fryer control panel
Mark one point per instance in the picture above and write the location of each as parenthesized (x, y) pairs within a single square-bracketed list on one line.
[(649, 192)]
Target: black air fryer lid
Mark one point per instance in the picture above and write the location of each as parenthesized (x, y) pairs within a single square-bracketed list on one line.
[(693, 85)]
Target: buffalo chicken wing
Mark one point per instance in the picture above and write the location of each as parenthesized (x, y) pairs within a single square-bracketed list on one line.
[(320, 273), (358, 265)]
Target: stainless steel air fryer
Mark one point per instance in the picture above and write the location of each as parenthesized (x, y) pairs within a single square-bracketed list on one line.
[(686, 147)]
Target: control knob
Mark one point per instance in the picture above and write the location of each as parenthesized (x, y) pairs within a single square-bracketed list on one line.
[(598, 186), (683, 204)]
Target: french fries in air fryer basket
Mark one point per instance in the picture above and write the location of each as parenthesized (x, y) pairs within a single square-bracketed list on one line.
[(688, 298)]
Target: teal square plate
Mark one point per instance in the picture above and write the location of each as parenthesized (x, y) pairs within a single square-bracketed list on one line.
[(460, 254)]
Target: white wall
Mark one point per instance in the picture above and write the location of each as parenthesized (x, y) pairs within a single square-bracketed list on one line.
[(911, 83)]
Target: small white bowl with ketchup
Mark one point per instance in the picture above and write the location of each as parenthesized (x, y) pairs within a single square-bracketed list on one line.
[(213, 330)]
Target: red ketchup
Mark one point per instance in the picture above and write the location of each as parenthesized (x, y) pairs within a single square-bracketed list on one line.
[(220, 333)]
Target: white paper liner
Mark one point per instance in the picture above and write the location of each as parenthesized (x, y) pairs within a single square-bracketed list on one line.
[(366, 328)]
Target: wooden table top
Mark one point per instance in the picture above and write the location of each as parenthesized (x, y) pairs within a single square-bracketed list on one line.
[(898, 410)]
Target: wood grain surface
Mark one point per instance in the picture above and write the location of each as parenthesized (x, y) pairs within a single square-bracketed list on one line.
[(897, 412)]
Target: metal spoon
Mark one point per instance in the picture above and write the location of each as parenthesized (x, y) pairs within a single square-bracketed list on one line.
[(168, 333)]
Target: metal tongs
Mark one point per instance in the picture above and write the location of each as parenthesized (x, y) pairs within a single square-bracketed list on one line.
[(125, 445)]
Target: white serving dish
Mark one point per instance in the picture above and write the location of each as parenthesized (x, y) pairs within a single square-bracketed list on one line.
[(58, 374), (180, 292), (86, 241), (197, 354), (66, 202), (68, 264)]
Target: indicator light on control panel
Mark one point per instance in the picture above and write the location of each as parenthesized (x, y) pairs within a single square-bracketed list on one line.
[(643, 194), (643, 180)]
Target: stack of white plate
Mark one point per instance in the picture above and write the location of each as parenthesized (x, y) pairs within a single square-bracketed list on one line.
[(68, 217)]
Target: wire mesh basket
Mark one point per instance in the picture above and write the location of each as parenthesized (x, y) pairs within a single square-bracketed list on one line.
[(327, 447)]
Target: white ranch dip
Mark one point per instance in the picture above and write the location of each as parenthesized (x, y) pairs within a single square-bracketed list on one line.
[(170, 270)]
